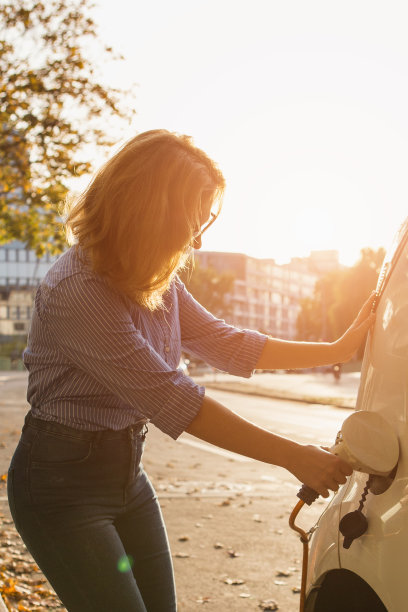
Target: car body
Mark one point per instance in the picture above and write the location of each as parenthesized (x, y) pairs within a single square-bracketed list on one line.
[(370, 575)]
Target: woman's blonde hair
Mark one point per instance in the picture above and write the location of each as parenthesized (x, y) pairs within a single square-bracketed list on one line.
[(138, 216)]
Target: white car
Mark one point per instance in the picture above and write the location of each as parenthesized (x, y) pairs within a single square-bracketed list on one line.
[(370, 574)]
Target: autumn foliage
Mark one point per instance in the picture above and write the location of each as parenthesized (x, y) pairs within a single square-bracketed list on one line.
[(54, 110)]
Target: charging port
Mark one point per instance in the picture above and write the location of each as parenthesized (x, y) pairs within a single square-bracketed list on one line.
[(379, 484)]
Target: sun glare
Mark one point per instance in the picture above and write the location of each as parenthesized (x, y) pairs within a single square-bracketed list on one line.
[(305, 114)]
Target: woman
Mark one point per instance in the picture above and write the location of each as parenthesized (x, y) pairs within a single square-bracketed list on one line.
[(110, 319)]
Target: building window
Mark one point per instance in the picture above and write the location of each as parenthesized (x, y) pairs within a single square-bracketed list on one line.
[(19, 327), (14, 312), (22, 255)]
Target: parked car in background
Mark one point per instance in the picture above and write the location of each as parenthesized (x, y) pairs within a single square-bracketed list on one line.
[(371, 575)]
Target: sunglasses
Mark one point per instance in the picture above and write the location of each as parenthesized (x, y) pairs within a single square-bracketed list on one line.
[(213, 216)]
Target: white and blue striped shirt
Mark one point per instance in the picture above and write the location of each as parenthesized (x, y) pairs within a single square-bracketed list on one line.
[(97, 360)]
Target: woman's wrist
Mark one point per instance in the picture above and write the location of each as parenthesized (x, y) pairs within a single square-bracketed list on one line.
[(333, 352), (289, 455), (338, 351)]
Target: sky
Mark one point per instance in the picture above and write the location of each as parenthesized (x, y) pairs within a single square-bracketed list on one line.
[(303, 104)]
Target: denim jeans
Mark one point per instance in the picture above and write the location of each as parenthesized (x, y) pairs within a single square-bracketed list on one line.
[(89, 516)]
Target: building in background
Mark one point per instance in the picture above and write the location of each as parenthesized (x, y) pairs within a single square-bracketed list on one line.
[(266, 295), (21, 271)]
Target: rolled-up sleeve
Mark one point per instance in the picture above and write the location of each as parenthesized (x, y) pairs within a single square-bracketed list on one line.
[(222, 346), (93, 329)]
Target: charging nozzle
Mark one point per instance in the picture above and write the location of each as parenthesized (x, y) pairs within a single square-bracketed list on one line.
[(307, 494), (368, 443)]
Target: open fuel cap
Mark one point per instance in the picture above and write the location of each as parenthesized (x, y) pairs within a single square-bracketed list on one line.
[(368, 443)]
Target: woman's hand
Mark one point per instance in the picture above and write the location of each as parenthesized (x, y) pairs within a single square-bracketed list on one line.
[(319, 469), (345, 347)]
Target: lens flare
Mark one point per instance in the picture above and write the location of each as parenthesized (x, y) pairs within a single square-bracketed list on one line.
[(125, 564)]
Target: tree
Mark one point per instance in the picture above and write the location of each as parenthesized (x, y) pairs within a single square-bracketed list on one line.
[(52, 105), (210, 288), (354, 286), (338, 297), (314, 321)]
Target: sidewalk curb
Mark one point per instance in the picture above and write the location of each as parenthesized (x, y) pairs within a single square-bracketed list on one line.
[(245, 389)]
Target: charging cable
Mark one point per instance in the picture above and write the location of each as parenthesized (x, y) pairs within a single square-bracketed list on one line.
[(307, 496), (304, 538)]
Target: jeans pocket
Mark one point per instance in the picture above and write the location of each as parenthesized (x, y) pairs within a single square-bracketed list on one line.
[(51, 448)]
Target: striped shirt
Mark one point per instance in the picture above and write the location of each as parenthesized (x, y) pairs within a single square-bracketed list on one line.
[(97, 360)]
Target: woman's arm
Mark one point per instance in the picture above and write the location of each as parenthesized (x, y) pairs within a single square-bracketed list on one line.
[(222, 346), (282, 354), (310, 464)]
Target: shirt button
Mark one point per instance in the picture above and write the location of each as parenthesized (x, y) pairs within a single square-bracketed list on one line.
[(167, 349)]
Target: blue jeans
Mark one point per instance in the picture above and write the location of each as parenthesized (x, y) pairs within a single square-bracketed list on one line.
[(89, 516)]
